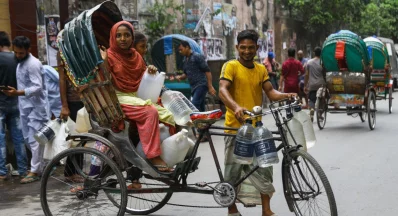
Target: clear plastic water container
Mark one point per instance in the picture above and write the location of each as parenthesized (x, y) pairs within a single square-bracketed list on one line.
[(174, 102), (297, 130), (264, 146), (308, 127), (244, 144)]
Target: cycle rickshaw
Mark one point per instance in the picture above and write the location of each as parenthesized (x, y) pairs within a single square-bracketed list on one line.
[(107, 176), (348, 89), (380, 76)]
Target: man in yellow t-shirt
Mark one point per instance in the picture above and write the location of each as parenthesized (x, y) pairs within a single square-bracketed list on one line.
[(241, 84)]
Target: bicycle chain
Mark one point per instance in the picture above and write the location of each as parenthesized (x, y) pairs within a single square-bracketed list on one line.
[(174, 204)]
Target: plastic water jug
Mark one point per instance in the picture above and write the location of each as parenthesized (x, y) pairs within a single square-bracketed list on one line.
[(151, 85), (175, 148), (264, 148), (82, 121), (308, 127), (297, 130), (48, 132), (164, 132), (244, 144), (191, 146), (174, 102)]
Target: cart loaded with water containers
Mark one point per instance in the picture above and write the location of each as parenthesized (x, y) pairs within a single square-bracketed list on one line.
[(351, 69)]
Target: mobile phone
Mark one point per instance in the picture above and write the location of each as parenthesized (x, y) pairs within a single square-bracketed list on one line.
[(4, 88)]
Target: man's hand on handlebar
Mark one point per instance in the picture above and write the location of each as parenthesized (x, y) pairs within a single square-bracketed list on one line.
[(239, 114), (291, 96)]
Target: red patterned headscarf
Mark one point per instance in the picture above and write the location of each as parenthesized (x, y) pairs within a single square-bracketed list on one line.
[(126, 66)]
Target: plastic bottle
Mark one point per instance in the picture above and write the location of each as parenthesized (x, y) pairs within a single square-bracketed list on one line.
[(176, 105), (264, 148), (189, 103), (244, 145), (164, 132), (82, 121), (175, 148), (297, 130), (191, 146), (48, 132), (151, 85), (308, 127)]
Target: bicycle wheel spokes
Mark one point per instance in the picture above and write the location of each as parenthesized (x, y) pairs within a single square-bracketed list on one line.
[(309, 189), (146, 203), (78, 187)]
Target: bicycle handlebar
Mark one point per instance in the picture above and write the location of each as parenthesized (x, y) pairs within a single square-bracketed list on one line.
[(273, 109)]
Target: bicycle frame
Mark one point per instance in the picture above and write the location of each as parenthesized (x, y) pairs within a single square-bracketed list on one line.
[(184, 187)]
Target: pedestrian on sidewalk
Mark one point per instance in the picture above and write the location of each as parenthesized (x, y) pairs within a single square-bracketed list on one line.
[(241, 84), (291, 70), (71, 104), (33, 102), (314, 79), (303, 61), (9, 111), (198, 73), (272, 66), (52, 84)]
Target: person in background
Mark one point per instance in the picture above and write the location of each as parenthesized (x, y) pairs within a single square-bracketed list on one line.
[(241, 84), (71, 104), (33, 102), (198, 73), (140, 43), (272, 66), (291, 70), (9, 111), (303, 95), (314, 79), (52, 83)]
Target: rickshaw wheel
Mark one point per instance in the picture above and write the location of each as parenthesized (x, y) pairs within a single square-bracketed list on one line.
[(371, 106), (321, 112), (390, 99)]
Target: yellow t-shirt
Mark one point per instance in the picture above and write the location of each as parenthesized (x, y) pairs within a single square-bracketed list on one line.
[(246, 88)]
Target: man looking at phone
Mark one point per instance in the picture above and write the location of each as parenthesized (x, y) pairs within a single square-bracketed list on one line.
[(9, 112), (33, 102)]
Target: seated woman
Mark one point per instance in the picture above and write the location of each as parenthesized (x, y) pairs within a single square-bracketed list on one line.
[(127, 68)]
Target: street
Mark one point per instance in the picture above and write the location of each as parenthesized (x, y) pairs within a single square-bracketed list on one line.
[(359, 164)]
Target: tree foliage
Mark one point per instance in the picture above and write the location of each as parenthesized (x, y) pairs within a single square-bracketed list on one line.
[(361, 16)]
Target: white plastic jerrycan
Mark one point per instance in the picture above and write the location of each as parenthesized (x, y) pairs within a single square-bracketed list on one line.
[(308, 127), (151, 85), (82, 121), (175, 148)]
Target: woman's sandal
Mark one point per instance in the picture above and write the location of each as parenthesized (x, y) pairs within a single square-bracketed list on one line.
[(29, 179)]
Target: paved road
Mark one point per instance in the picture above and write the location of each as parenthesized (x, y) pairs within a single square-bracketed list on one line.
[(360, 164)]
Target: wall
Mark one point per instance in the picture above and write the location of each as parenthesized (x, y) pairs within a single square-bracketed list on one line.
[(5, 24)]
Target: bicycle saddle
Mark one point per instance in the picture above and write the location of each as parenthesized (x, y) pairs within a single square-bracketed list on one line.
[(203, 119)]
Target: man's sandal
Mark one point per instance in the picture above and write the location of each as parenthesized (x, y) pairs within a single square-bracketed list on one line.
[(29, 179), (76, 189), (134, 185)]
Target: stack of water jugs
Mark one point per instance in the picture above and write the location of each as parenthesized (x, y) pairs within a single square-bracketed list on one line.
[(258, 141)]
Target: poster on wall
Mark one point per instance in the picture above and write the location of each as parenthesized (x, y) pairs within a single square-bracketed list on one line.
[(192, 13), (52, 29), (229, 18), (217, 20), (212, 48), (266, 44)]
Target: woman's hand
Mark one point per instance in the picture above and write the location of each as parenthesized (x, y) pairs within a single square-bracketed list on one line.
[(152, 69), (104, 53)]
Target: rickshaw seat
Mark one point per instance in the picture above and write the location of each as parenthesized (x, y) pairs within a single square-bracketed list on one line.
[(204, 119)]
